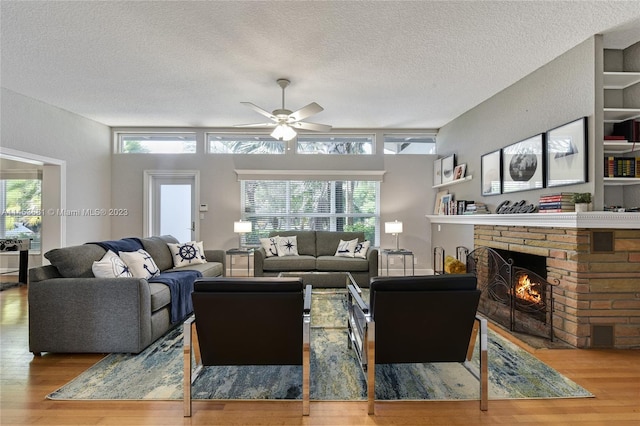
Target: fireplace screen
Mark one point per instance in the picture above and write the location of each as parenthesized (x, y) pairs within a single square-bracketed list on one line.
[(512, 295)]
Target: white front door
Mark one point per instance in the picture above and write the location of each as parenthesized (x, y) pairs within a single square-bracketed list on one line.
[(171, 204)]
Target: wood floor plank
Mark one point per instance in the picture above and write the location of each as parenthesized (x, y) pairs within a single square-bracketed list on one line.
[(612, 375)]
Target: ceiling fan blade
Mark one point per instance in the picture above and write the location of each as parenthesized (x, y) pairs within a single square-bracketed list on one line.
[(311, 126), (306, 111), (256, 125), (259, 110)]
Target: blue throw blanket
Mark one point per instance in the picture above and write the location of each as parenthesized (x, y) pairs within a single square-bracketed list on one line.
[(181, 286), (125, 244)]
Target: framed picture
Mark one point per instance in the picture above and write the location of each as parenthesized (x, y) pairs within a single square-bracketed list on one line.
[(459, 171), (445, 200), (522, 165), (437, 172), (491, 171), (436, 205), (448, 164), (566, 154)]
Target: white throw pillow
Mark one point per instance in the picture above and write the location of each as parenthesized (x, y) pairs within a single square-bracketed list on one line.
[(346, 248), (362, 249), (288, 246), (186, 254), (110, 266), (140, 263), (270, 245)]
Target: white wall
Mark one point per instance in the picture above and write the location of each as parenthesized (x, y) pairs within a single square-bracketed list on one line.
[(405, 192), (559, 92), (37, 128)]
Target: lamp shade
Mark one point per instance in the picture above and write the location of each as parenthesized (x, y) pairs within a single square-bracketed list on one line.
[(242, 227), (393, 227)]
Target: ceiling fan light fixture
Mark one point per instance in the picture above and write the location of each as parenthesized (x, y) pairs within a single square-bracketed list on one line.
[(284, 132), (285, 121)]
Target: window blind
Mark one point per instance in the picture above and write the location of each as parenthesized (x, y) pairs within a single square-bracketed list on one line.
[(274, 205)]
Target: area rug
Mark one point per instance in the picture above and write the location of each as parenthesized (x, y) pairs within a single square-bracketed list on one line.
[(156, 373)]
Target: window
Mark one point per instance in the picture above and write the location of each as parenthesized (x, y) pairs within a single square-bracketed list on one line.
[(336, 144), (156, 143), (218, 143), (405, 143), (273, 205), (21, 204)]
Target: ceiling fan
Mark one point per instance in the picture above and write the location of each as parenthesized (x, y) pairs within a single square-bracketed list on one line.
[(285, 121)]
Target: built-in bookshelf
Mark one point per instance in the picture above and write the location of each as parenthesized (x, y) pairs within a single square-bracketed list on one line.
[(619, 81)]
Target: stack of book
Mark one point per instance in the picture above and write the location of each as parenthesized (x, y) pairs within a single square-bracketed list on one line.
[(556, 203), (622, 167), (476, 208), (628, 129)]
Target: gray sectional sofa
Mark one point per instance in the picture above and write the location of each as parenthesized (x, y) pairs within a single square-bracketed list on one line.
[(316, 252), (70, 310)]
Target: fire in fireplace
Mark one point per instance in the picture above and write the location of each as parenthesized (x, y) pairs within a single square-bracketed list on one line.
[(512, 295), (528, 291)]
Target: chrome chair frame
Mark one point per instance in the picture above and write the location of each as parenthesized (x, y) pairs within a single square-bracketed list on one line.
[(362, 337), (191, 353)]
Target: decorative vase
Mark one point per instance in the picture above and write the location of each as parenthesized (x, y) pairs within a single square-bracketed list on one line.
[(582, 207)]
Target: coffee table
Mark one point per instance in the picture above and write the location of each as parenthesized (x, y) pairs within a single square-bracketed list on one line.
[(319, 279)]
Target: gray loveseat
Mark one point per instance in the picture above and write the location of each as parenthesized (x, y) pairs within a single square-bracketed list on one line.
[(316, 252), (70, 310)]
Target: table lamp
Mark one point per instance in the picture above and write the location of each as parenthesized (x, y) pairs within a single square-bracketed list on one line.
[(241, 227), (394, 228)]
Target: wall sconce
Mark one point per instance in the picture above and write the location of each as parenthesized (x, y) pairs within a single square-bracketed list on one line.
[(241, 228), (394, 228)]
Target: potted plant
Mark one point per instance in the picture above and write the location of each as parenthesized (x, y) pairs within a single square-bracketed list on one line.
[(582, 201)]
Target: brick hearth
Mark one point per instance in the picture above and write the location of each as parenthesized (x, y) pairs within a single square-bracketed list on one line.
[(597, 301)]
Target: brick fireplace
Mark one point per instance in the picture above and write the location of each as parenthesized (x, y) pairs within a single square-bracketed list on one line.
[(595, 257), (597, 300)]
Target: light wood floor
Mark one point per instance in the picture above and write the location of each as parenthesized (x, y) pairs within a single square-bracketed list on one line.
[(612, 375)]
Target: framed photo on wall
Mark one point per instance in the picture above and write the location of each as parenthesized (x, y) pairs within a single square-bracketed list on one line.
[(491, 171), (566, 154), (522, 165), (448, 164), (459, 171), (437, 172)]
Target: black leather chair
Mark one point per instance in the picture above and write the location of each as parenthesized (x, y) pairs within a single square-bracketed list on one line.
[(419, 319), (248, 321)]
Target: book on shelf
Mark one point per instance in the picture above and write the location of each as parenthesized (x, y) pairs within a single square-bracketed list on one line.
[(616, 138), (572, 209), (628, 167), (556, 205), (629, 129), (476, 208), (563, 196)]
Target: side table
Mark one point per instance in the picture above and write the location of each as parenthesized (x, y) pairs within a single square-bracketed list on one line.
[(239, 252), (400, 252), (21, 245)]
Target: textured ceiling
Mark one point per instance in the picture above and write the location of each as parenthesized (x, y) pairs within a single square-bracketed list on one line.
[(369, 64)]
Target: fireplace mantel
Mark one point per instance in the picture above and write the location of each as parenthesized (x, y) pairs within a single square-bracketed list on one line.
[(598, 220)]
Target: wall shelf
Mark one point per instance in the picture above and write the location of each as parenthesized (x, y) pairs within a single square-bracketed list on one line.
[(620, 147), (617, 115), (620, 181), (620, 80), (453, 182)]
